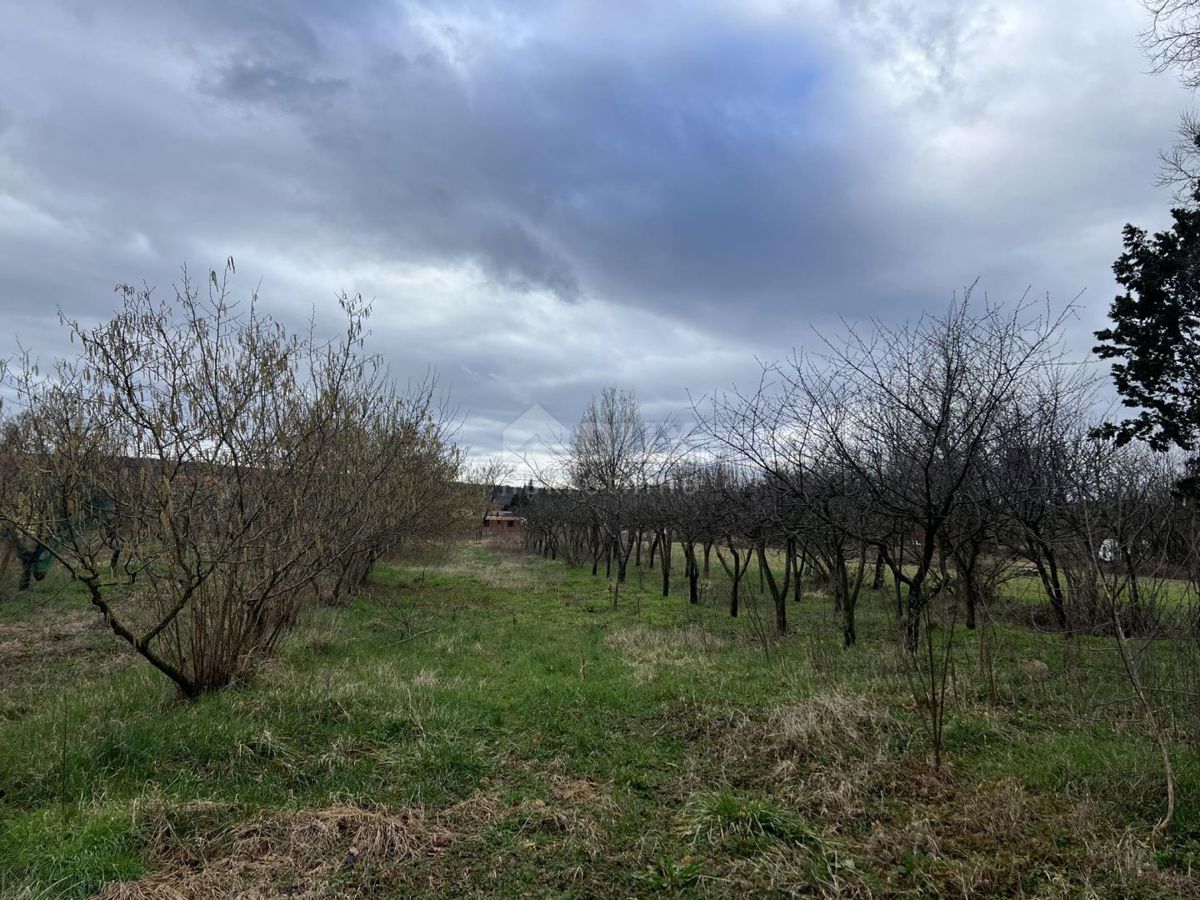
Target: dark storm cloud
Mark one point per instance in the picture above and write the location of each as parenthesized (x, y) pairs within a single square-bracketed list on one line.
[(544, 197)]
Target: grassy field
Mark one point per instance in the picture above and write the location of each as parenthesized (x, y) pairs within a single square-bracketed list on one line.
[(487, 723)]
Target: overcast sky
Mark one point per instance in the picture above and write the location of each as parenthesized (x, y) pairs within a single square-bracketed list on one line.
[(547, 197)]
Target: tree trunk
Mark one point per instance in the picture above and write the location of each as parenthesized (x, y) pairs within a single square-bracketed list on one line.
[(735, 575), (1047, 566), (187, 687), (623, 554), (665, 558), (798, 565), (897, 571), (693, 571), (778, 592), (971, 587), (912, 621), (5, 559)]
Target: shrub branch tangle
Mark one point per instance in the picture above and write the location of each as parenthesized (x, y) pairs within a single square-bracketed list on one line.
[(205, 474)]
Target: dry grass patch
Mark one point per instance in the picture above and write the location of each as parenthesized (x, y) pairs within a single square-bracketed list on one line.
[(33, 643), (647, 649), (426, 678), (346, 849), (997, 839), (306, 853), (757, 846), (1033, 671), (936, 836), (826, 724), (580, 792), (578, 809), (69, 648), (824, 752), (794, 871), (504, 571), (475, 813)]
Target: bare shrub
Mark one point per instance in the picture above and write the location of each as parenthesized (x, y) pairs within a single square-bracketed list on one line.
[(206, 475)]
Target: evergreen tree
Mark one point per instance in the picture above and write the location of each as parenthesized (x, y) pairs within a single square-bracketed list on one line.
[(1154, 340)]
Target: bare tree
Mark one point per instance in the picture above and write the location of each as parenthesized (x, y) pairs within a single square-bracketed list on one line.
[(613, 454), (910, 412), (1172, 40), (1128, 528), (484, 477), (1172, 43)]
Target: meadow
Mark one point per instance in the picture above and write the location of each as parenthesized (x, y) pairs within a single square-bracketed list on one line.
[(486, 722)]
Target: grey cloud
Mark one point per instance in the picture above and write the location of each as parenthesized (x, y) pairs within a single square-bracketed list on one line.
[(924, 43), (267, 81), (608, 179), (673, 187)]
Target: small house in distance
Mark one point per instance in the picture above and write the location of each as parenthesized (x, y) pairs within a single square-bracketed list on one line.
[(502, 523)]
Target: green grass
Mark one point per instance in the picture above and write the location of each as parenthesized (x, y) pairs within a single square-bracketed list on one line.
[(1169, 592), (523, 737)]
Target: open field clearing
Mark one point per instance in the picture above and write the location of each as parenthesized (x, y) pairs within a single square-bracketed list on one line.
[(487, 723)]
